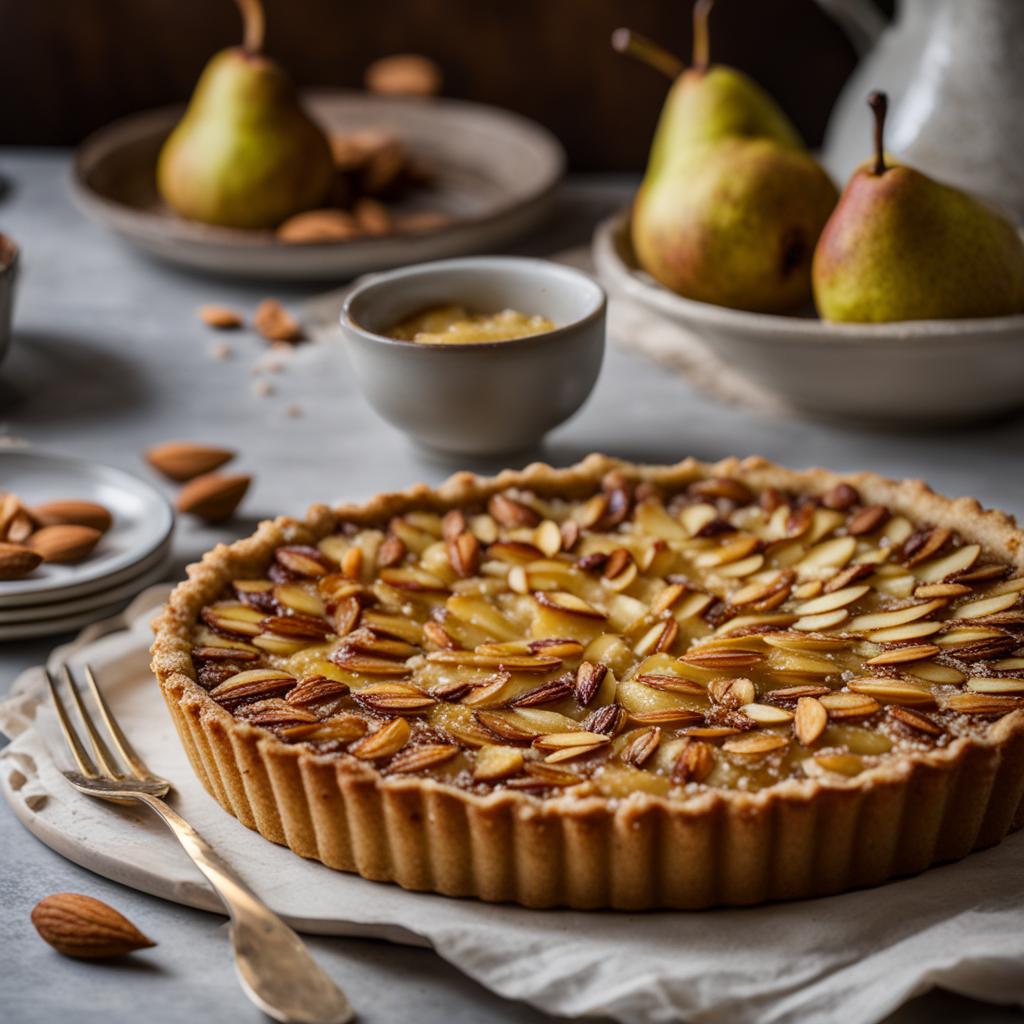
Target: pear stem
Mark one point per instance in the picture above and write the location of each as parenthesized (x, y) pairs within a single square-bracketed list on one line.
[(879, 104), (701, 35), (253, 25), (626, 41)]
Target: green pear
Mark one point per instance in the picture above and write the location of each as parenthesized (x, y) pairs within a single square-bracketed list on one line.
[(245, 154), (901, 246), (706, 102), (734, 223)]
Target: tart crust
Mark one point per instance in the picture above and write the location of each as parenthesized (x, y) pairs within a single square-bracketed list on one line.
[(795, 839)]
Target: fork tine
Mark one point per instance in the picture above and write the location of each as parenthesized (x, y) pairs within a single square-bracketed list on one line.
[(100, 750), (117, 736), (82, 759)]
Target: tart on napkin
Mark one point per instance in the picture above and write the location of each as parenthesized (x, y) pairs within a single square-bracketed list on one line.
[(614, 685)]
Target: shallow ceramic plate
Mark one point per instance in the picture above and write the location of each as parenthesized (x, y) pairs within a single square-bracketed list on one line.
[(496, 174), (923, 371), (143, 521)]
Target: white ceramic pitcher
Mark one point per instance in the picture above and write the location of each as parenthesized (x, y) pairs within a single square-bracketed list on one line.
[(954, 71)]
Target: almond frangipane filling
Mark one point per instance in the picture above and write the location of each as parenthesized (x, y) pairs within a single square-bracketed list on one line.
[(633, 640)]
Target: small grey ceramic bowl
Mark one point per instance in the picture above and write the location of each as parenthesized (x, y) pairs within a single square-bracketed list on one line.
[(482, 399)]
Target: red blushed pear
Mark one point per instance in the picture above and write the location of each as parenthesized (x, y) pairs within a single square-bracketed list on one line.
[(731, 205), (901, 246), (245, 155)]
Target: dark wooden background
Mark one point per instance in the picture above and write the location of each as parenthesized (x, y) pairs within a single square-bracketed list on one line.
[(69, 66)]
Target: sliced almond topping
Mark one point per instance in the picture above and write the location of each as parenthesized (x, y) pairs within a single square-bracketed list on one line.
[(867, 520), (352, 563), (848, 576), (352, 660), (394, 698), (924, 545), (806, 641), (766, 714), (940, 569), (547, 693), (732, 551), (1003, 685), (506, 726), (493, 693), (673, 684), (810, 720), (987, 606), (893, 691), (511, 513), (668, 717), (658, 638), (641, 749), (916, 720), (902, 634), (849, 705), (729, 658), (901, 655), (301, 561), (418, 759), (315, 690), (340, 728), (711, 732), (511, 662), (564, 740), (840, 764), (792, 694), (895, 617), (840, 498), (693, 763), (731, 693), (834, 600), (607, 720), (755, 744), (569, 604), (816, 623), (983, 705), (252, 684), (667, 598), (589, 677), (387, 740), (299, 627), (391, 551)]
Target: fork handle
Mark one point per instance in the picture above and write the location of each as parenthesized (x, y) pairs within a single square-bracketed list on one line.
[(274, 967)]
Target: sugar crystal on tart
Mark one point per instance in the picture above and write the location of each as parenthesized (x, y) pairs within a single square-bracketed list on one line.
[(614, 685)]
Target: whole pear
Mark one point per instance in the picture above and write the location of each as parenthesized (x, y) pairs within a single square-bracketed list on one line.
[(901, 246), (734, 223), (245, 154)]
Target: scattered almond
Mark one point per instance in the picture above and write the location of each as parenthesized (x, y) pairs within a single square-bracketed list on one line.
[(184, 460), (275, 323), (372, 217), (17, 561), (404, 74), (73, 513), (318, 226), (85, 928), (213, 496), (220, 317), (65, 543)]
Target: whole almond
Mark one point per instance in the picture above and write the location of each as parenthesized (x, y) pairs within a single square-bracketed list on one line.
[(219, 317), (71, 512), (10, 506), (404, 74), (275, 323), (214, 496), (64, 543), (86, 928), (319, 226), (185, 460), (17, 561)]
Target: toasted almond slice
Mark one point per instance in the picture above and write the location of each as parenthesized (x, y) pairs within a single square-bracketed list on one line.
[(812, 588), (659, 637), (986, 606), (364, 664), (982, 704), (412, 580), (916, 720), (642, 747), (833, 601), (766, 714), (756, 744), (744, 567), (829, 554), (693, 763), (671, 684), (806, 641), (810, 720), (733, 550), (568, 604), (849, 705), (342, 728), (816, 623), (929, 590), (711, 732), (1014, 585), (387, 740), (547, 693), (732, 693), (252, 684), (507, 726), (667, 598), (893, 691), (514, 552), (792, 694), (510, 662), (719, 659), (744, 622), (867, 520), (589, 677), (939, 569), (901, 655), (548, 537), (695, 517), (565, 740), (692, 605), (1004, 664), (421, 758), (1004, 685), (494, 763), (894, 617), (901, 634), (968, 636)]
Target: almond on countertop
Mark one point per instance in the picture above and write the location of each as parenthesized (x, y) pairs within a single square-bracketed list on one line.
[(275, 323), (17, 561), (71, 512), (185, 460), (213, 496), (85, 928), (220, 317), (65, 543)]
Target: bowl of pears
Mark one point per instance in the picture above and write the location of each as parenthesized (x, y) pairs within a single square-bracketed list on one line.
[(899, 300)]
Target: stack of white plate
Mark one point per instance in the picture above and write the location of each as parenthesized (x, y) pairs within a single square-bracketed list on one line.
[(131, 555)]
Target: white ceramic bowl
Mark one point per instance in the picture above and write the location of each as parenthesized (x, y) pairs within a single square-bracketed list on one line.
[(918, 371), (484, 399)]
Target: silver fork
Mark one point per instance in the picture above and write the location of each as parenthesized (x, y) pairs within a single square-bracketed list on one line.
[(275, 968)]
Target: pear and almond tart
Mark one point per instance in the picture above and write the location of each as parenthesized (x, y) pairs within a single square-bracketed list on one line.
[(614, 685)]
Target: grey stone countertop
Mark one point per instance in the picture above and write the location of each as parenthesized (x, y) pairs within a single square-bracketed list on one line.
[(108, 358)]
